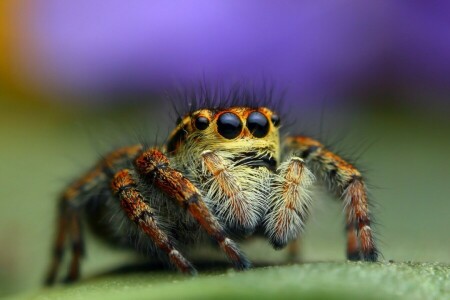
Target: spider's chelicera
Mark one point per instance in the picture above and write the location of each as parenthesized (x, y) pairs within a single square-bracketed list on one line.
[(222, 170)]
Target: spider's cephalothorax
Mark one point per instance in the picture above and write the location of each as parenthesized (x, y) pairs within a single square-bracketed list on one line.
[(230, 155), (221, 170)]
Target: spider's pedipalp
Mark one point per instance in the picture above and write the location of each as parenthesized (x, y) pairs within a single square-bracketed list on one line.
[(289, 202), (346, 182), (237, 195)]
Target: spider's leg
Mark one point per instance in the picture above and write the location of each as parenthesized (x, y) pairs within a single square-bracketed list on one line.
[(69, 227), (70, 206), (137, 210), (353, 247), (58, 247), (154, 165), (289, 202), (346, 182)]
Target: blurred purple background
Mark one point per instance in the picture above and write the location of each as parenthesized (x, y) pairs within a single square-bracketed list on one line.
[(72, 74), (313, 49)]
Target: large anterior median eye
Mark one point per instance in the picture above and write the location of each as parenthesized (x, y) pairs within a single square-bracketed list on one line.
[(229, 125), (258, 124)]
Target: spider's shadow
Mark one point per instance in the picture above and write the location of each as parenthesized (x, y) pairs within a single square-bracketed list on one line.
[(207, 267)]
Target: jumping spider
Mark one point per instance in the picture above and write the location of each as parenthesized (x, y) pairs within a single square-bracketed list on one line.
[(222, 171)]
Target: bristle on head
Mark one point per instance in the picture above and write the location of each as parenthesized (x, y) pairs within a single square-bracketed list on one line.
[(216, 97)]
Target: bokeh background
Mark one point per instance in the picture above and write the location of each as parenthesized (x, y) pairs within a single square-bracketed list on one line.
[(372, 79)]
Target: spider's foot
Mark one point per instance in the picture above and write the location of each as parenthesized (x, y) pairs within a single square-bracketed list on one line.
[(50, 280), (353, 256), (238, 259), (71, 278), (371, 255), (182, 264)]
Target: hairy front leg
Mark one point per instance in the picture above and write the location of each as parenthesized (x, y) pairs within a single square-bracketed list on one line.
[(132, 202), (347, 183), (154, 166)]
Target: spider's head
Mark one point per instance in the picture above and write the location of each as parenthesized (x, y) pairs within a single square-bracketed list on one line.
[(240, 131)]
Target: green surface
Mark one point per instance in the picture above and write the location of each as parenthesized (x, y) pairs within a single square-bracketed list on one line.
[(42, 148), (308, 281)]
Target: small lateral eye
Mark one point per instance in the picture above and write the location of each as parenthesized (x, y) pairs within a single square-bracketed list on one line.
[(229, 125), (258, 124), (201, 123), (275, 120)]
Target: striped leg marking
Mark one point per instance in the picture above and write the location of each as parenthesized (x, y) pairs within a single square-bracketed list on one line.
[(346, 182), (132, 202), (155, 166)]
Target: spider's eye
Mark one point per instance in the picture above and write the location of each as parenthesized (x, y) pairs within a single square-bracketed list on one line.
[(258, 124), (275, 120), (229, 125), (201, 123)]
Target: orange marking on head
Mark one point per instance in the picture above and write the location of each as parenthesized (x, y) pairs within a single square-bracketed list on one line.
[(187, 126)]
